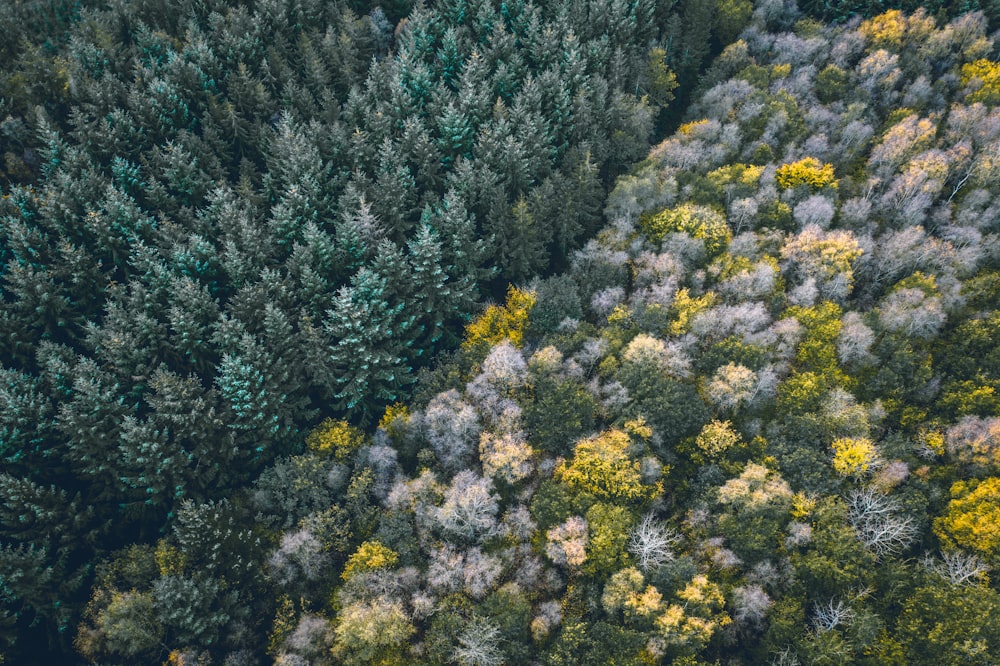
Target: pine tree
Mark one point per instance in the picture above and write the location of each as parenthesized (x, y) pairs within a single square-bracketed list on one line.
[(369, 346)]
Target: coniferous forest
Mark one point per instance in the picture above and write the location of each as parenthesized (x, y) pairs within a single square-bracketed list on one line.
[(490, 332)]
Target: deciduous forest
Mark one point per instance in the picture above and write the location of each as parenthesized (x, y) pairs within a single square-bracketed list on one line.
[(490, 332)]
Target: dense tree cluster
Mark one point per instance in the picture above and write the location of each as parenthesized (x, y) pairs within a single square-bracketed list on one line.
[(742, 408), (223, 220)]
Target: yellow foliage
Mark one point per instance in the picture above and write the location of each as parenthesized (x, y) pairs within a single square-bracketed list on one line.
[(685, 308), (620, 316), (395, 419), (715, 438), (639, 428), (801, 392), (973, 518), (854, 456), (335, 438), (698, 222), (501, 322), (780, 71), (702, 594), (741, 174), (169, 559), (817, 351), (284, 624), (802, 505), (645, 604), (602, 466), (808, 171), (369, 556), (688, 128), (984, 75), (885, 29), (934, 441)]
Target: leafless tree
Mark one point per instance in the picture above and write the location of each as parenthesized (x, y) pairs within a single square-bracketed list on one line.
[(830, 615), (877, 521), (958, 568), (652, 543), (478, 644)]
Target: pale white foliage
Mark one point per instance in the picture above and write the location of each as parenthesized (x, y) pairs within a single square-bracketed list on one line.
[(756, 487), (783, 336), (846, 418), (799, 534), (776, 15), (913, 313), (546, 361), (668, 357), (469, 508), (300, 558), (742, 212), (899, 253), (805, 294), (480, 573), (530, 571), (911, 193), (901, 142), (855, 213), (918, 93), (855, 340), (816, 209), (741, 319), (785, 658), (613, 395), (756, 283), (847, 47), (975, 440), (504, 367), (548, 617), (423, 604), (505, 456), (603, 302), (724, 558), (879, 74), (567, 542), (854, 137), (313, 637), (381, 458), (719, 102), (451, 427), (412, 493), (479, 644), (444, 569), (750, 604), (732, 386), (891, 475), (824, 256), (518, 523), (649, 188), (817, 144), (652, 268)]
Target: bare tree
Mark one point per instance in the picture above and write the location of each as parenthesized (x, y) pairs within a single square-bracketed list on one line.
[(652, 543), (877, 521), (830, 615), (478, 644), (958, 568), (785, 658)]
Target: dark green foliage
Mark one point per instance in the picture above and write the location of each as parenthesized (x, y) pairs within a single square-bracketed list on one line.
[(559, 413)]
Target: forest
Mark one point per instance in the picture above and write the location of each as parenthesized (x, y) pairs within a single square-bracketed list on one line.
[(490, 332)]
